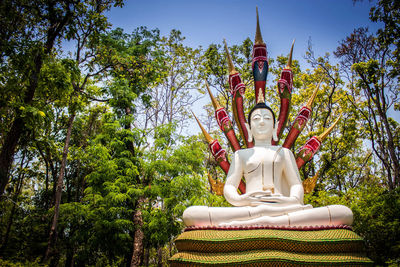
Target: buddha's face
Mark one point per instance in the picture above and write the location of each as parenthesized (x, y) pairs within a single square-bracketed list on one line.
[(262, 124)]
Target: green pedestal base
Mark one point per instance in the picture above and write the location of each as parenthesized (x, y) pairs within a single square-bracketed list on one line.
[(270, 247)]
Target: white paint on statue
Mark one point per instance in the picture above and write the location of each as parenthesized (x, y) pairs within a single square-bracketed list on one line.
[(274, 192)]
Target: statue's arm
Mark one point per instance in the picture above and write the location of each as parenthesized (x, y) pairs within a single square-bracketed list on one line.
[(232, 182), (292, 175)]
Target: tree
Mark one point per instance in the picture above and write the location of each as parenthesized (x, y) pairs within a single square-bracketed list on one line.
[(135, 73), (30, 31), (387, 11), (90, 24), (374, 91), (179, 82), (341, 155)]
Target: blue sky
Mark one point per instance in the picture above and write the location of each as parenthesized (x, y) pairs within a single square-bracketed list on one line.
[(326, 22)]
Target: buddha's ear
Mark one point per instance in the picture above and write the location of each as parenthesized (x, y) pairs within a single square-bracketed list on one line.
[(275, 132), (250, 135)]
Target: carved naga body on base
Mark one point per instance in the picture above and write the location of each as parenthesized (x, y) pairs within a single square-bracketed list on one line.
[(273, 192)]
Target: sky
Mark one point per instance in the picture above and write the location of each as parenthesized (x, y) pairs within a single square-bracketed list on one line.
[(324, 22), (204, 22)]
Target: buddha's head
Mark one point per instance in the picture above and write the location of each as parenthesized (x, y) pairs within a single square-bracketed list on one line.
[(261, 123), (261, 105)]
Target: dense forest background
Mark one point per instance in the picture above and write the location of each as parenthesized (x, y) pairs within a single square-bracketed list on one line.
[(95, 170)]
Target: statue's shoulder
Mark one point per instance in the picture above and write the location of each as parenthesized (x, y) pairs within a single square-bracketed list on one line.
[(244, 152), (285, 152), (283, 149)]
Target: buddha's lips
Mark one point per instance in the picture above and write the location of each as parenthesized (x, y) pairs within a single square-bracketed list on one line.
[(262, 130)]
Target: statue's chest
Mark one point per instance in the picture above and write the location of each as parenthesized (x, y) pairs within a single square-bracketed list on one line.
[(263, 166)]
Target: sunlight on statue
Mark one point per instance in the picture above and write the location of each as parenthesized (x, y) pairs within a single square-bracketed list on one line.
[(274, 191)]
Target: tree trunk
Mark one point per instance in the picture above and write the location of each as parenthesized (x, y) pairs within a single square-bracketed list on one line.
[(17, 127), (15, 199), (69, 261), (9, 224), (146, 257), (159, 256), (53, 231), (392, 150), (139, 235), (69, 257), (8, 151)]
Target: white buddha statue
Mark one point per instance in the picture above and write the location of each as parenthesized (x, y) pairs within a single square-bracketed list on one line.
[(274, 191)]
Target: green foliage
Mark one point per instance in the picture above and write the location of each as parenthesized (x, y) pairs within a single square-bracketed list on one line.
[(387, 12), (136, 64), (35, 263), (376, 217)]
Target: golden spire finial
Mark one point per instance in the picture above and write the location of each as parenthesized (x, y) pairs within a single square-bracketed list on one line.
[(261, 98), (231, 68), (213, 100), (311, 100), (258, 40), (322, 136), (289, 63), (206, 135)]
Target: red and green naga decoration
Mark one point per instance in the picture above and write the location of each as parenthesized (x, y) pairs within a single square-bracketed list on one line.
[(300, 121), (308, 150), (224, 122), (219, 154), (259, 63), (237, 90), (285, 86)]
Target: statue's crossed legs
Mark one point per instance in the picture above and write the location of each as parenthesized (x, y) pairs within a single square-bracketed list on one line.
[(293, 215)]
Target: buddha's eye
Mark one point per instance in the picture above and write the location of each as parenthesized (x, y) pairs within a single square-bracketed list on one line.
[(267, 117), (256, 117)]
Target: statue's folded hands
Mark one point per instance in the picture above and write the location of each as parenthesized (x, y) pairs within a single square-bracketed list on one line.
[(274, 200), (261, 197)]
